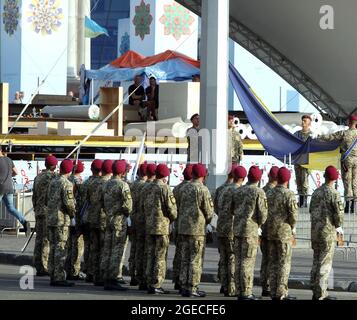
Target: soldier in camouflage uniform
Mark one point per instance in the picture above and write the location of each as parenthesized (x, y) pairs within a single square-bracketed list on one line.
[(135, 189), (282, 217), (349, 165), (326, 211), (264, 243), (61, 207), (225, 233), (118, 205), (140, 227), (301, 173), (160, 211), (249, 207), (39, 201), (176, 264), (196, 211), (75, 242), (236, 142)]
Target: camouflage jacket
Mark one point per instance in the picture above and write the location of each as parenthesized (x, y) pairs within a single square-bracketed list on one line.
[(143, 191), (77, 185), (196, 209), (267, 189), (303, 135), (40, 188), (327, 213), (117, 202), (160, 208), (225, 217), (135, 188), (249, 209), (282, 214), (346, 139), (61, 204), (177, 194), (269, 186), (216, 195), (237, 146)]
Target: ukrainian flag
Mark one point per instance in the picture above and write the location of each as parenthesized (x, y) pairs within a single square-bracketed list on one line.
[(93, 29)]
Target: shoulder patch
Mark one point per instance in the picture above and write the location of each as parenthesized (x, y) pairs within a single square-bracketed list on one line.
[(172, 199), (127, 194), (266, 203), (70, 194), (340, 206), (211, 202), (295, 205)]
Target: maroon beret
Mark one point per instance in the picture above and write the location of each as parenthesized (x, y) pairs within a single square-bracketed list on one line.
[(199, 170), (162, 171), (255, 174), (230, 173), (273, 173), (331, 173), (51, 161), (107, 166), (151, 169), (187, 173), (66, 166), (119, 167), (239, 172), (96, 165), (353, 117), (306, 116), (79, 166), (284, 175), (143, 169)]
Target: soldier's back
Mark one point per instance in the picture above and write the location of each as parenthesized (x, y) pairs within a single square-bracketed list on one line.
[(41, 185)]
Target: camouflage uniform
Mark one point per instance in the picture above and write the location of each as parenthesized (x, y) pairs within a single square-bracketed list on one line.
[(117, 205), (282, 217), (39, 201), (264, 248), (176, 264), (326, 211), (96, 221), (160, 211), (133, 239), (349, 177), (250, 212), (61, 207), (196, 211), (236, 147), (301, 173), (75, 244), (226, 239)]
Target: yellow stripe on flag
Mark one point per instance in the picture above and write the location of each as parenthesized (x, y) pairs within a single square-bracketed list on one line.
[(321, 160)]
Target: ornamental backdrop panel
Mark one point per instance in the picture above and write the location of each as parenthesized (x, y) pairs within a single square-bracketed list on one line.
[(142, 20), (11, 16)]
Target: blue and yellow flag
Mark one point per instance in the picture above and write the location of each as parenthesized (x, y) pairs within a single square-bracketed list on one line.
[(93, 29)]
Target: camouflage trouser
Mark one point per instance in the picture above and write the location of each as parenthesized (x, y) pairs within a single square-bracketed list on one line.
[(245, 252), (75, 249), (349, 178), (42, 247), (280, 264), (96, 238), (227, 264), (132, 271), (114, 245), (302, 180), (264, 268), (122, 260), (86, 243), (57, 237), (140, 257), (321, 267), (157, 246), (191, 261), (176, 263)]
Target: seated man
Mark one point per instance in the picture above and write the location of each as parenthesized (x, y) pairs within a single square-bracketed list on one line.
[(138, 96), (152, 104)]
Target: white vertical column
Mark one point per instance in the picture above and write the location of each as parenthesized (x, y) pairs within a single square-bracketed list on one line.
[(72, 68), (214, 84), (84, 44)]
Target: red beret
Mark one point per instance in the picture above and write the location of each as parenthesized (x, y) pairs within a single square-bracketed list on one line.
[(331, 173), (96, 165), (239, 172), (79, 166), (187, 173), (230, 173), (162, 171), (143, 169), (255, 174), (51, 161), (66, 166), (284, 175), (119, 167), (199, 170), (151, 169), (353, 117), (230, 117), (107, 166), (273, 173)]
